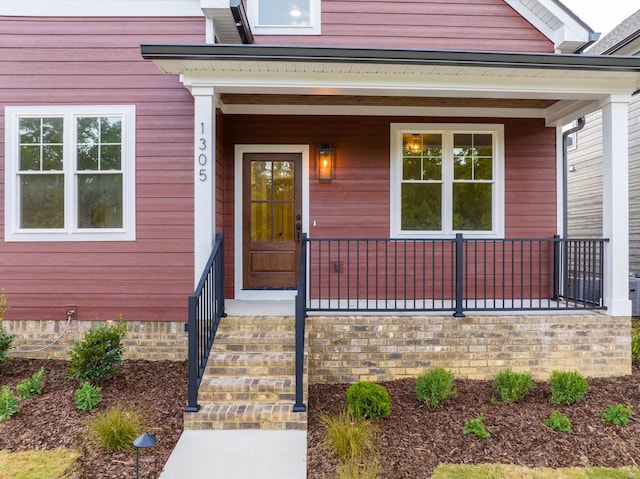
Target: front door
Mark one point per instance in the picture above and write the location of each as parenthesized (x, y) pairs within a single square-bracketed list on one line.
[(272, 219)]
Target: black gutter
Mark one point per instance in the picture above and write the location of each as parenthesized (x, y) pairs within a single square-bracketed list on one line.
[(565, 156), (242, 22), (623, 43), (457, 58)]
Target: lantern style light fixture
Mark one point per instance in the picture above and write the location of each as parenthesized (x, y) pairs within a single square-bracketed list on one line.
[(325, 164)]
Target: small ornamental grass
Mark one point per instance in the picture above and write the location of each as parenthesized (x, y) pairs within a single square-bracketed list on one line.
[(476, 426), (32, 386), (559, 422), (435, 386), (348, 437), (369, 469), (512, 386), (617, 414), (117, 428), (635, 344), (9, 403), (567, 387), (367, 400), (96, 356), (87, 396), (6, 339)]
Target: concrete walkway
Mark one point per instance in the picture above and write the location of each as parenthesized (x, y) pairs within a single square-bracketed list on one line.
[(238, 454)]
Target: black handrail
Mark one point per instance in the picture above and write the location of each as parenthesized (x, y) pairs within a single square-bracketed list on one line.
[(301, 314), (460, 274), (206, 307)]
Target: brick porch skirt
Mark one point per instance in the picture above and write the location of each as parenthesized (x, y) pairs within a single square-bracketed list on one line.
[(378, 347)]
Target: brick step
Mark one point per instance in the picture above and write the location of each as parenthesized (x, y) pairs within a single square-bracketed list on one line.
[(250, 364), (271, 415), (260, 324), (252, 341), (248, 389)]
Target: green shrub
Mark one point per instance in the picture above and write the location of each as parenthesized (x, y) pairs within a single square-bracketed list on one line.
[(367, 400), (348, 437), (32, 386), (567, 387), (512, 386), (117, 428), (618, 415), (476, 426), (435, 386), (6, 339), (87, 396), (95, 357), (558, 422), (635, 344), (9, 403)]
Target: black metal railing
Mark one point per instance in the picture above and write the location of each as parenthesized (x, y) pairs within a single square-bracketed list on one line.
[(457, 274), (206, 307), (444, 275), (301, 314)]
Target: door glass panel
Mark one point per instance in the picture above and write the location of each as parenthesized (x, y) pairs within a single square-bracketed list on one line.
[(283, 222), (283, 180), (261, 180), (261, 222), (272, 200)]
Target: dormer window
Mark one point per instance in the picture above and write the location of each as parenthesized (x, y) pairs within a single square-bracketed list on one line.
[(284, 17)]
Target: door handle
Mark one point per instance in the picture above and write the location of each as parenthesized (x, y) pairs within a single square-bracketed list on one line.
[(298, 231)]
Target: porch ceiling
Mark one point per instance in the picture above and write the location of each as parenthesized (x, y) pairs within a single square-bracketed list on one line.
[(556, 87)]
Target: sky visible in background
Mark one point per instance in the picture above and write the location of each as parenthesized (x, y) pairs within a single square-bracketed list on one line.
[(602, 15)]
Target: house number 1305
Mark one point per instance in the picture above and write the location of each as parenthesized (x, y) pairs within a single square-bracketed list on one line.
[(202, 157)]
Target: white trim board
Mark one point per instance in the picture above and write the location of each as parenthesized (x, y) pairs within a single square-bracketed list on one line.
[(240, 150)]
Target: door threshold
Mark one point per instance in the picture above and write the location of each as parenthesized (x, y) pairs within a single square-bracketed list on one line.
[(247, 307)]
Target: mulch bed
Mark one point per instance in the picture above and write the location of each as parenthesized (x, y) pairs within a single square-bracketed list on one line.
[(415, 438), (51, 420), (412, 441)]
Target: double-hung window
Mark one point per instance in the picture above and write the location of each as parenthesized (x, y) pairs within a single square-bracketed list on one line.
[(70, 173), (447, 179), (284, 17)]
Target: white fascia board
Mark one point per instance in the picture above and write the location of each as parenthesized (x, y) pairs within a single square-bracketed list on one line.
[(564, 112), (557, 84), (564, 37), (101, 8)]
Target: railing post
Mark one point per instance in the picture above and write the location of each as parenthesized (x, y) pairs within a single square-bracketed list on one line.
[(459, 275), (192, 331), (556, 267), (219, 279), (301, 313)]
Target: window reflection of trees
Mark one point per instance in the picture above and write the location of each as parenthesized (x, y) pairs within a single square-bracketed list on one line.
[(272, 200)]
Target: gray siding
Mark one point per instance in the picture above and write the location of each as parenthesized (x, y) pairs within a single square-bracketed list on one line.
[(585, 183)]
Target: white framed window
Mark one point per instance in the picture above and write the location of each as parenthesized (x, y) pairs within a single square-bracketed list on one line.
[(284, 17), (447, 179), (572, 139), (70, 173)]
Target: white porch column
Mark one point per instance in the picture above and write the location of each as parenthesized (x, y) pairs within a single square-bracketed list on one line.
[(204, 175), (615, 208)]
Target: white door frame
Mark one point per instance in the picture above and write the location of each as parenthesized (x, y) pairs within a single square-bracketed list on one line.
[(240, 150)]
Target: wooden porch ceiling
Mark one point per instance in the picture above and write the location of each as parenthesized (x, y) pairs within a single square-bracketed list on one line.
[(404, 101)]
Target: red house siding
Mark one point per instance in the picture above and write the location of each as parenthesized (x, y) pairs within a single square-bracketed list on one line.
[(356, 203), (424, 24), (79, 61)]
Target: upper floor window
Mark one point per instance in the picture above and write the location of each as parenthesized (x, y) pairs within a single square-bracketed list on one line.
[(284, 17), (70, 173), (447, 179)]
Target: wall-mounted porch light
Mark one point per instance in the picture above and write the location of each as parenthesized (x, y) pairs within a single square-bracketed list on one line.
[(325, 164)]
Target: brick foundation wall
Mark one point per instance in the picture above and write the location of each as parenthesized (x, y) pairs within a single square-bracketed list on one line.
[(153, 340), (380, 348)]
